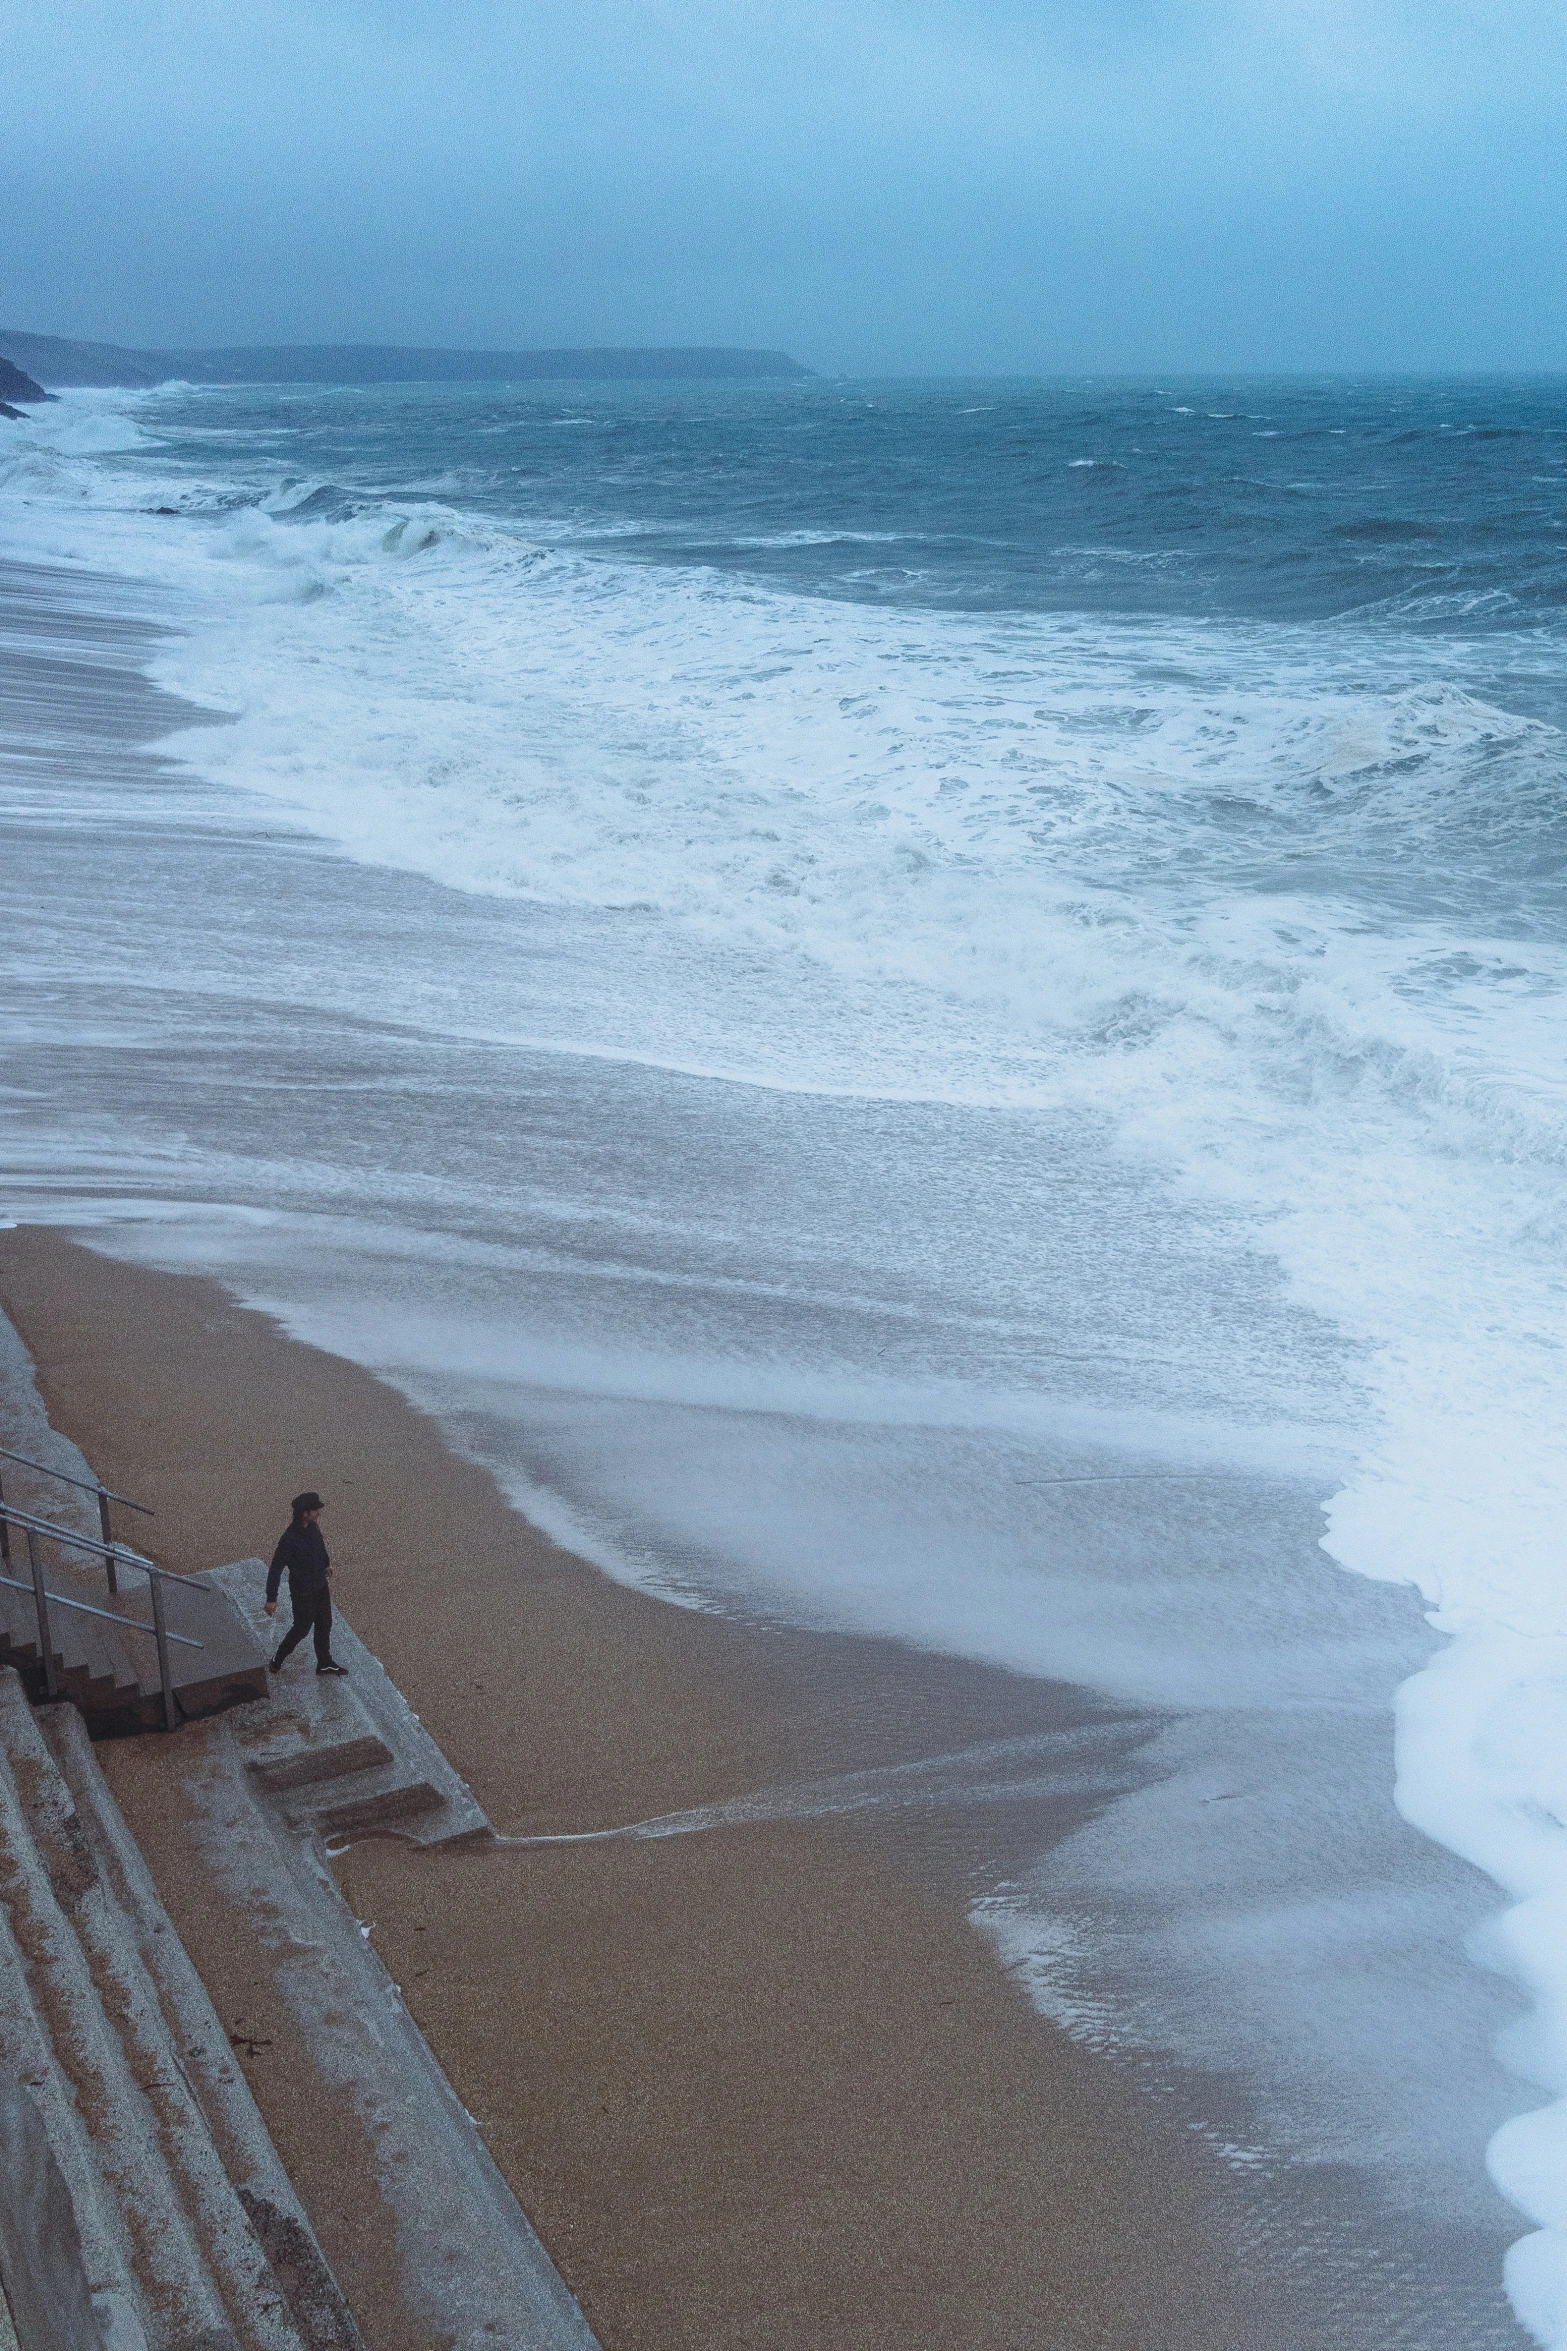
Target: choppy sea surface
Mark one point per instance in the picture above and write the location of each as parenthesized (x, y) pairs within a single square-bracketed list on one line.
[(934, 1008)]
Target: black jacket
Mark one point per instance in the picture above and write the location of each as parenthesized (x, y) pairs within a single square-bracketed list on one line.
[(304, 1555)]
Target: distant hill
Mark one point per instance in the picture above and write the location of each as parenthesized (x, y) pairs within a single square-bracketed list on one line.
[(64, 365)]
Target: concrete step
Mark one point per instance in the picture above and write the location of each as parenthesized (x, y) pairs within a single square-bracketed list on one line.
[(399, 1805), (306, 1766), (189, 2228), (133, 2227), (27, 2053), (111, 1668), (98, 1665), (43, 2278), (347, 1757), (91, 1658), (201, 2049)]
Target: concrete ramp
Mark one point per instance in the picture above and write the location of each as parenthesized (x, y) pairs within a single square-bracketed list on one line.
[(190, 2237), (277, 1786)]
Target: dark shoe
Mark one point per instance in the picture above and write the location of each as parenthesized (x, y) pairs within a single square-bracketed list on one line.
[(274, 1665), (331, 1666)]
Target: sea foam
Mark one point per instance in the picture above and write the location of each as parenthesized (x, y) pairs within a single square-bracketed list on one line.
[(1271, 903)]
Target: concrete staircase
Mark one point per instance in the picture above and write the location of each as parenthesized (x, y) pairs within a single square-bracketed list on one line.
[(92, 1659), (110, 1670), (191, 2236), (350, 1758)]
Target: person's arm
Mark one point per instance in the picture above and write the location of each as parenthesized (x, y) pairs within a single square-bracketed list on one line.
[(275, 1571)]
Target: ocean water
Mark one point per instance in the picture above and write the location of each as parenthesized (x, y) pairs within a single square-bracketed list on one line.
[(931, 1008)]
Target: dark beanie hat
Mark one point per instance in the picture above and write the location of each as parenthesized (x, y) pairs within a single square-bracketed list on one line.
[(311, 1501)]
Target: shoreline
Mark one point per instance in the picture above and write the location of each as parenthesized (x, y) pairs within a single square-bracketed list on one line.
[(760, 2085), (810, 1937)]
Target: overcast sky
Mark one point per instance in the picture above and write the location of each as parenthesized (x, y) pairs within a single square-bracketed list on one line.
[(874, 185)]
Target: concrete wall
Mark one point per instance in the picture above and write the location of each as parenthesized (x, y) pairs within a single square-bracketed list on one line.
[(40, 2252)]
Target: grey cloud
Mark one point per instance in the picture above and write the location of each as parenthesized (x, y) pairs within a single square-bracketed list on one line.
[(898, 184)]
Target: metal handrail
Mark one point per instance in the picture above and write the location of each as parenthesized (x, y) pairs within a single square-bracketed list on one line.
[(33, 1526), (105, 1497), (122, 1551), (85, 1608), (88, 1485)]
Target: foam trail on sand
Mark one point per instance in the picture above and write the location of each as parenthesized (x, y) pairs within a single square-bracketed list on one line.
[(998, 1772)]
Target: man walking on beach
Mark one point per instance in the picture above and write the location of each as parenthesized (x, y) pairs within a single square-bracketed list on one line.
[(303, 1553)]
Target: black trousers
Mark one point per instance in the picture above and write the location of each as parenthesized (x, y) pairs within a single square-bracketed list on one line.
[(312, 1613)]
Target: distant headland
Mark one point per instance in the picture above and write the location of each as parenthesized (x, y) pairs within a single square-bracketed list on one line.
[(64, 365), (16, 385)]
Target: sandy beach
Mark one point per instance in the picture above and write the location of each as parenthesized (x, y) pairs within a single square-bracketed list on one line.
[(757, 2084)]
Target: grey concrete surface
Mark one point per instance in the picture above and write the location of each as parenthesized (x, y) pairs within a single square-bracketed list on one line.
[(200, 2047), (191, 2237), (43, 2271), (136, 2234), (472, 2263)]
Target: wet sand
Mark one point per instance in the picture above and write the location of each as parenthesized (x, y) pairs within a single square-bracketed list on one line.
[(761, 2085)]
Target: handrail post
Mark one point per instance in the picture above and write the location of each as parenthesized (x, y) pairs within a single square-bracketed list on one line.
[(170, 1718), (5, 1535), (41, 1603), (108, 1539)]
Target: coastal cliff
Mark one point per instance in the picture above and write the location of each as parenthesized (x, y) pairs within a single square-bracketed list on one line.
[(16, 385), (66, 364)]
